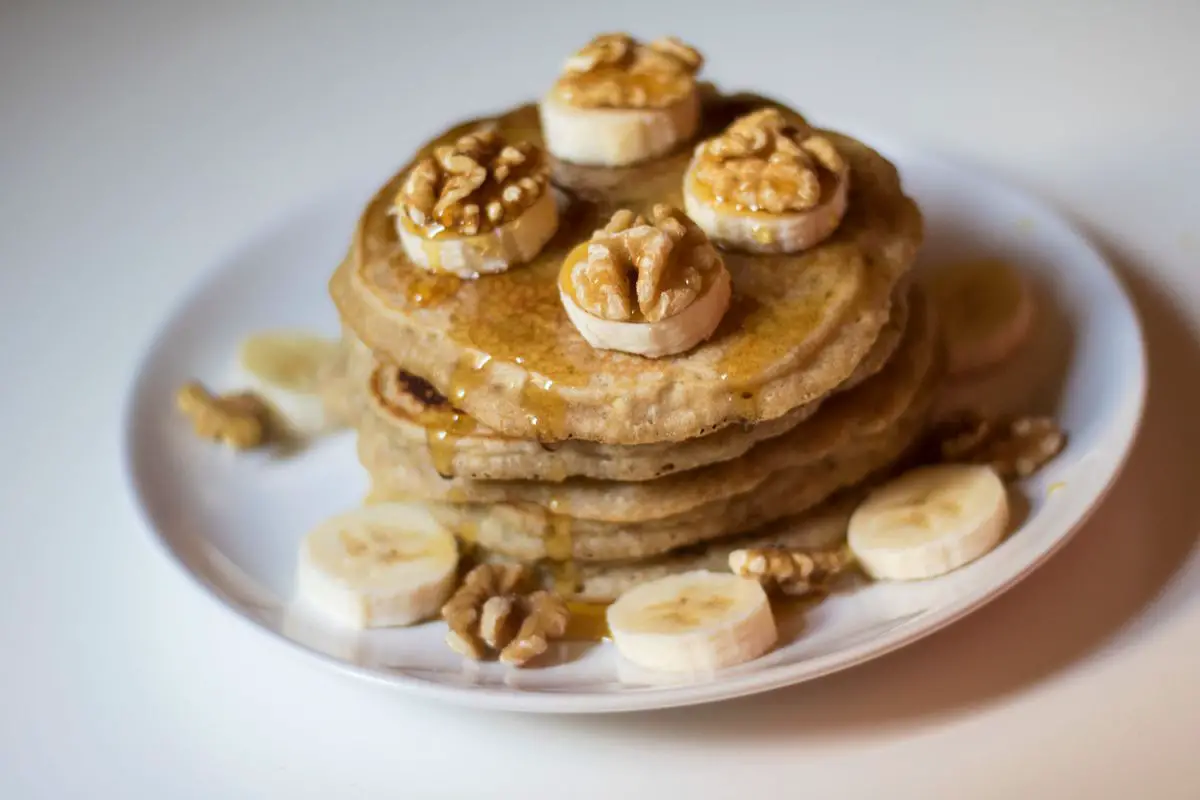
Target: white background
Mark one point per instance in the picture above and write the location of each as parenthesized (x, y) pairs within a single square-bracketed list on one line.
[(139, 143)]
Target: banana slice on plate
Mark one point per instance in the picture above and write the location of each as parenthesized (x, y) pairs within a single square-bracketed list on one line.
[(692, 622), (768, 184), (619, 101), (654, 288), (286, 369), (477, 206), (986, 310), (379, 566), (929, 521)]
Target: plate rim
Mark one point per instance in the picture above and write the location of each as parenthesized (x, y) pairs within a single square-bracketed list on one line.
[(1129, 416)]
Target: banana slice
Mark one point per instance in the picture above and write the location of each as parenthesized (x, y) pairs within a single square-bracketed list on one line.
[(681, 291), (768, 184), (378, 566), (478, 206), (619, 101), (511, 244), (756, 231), (286, 369), (616, 137), (670, 336), (695, 621), (986, 310), (929, 521)]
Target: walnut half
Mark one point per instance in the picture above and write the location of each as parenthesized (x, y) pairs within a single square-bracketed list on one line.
[(614, 70), (491, 614), (791, 572), (546, 618), (765, 161), (479, 182), (639, 270)]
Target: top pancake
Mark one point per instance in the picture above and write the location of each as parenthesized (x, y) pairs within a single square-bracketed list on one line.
[(405, 415), (502, 349)]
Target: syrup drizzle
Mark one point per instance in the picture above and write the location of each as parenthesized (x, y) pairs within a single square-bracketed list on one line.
[(560, 553), (443, 429), (588, 622), (545, 410), (469, 374), (428, 289)]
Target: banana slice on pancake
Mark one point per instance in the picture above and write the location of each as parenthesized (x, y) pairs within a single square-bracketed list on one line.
[(768, 184), (477, 206), (651, 287), (619, 101)]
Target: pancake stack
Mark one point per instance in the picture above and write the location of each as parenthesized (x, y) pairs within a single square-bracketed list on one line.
[(604, 468)]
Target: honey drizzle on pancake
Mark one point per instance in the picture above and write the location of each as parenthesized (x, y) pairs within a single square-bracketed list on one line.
[(443, 423), (545, 409), (560, 553), (443, 428), (469, 374), (771, 327), (429, 289)]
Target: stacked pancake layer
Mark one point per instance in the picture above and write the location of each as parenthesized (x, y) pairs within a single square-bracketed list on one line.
[(480, 398)]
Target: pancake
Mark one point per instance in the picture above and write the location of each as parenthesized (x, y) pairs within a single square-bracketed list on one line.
[(502, 349), (864, 411), (414, 415), (885, 344), (528, 532), (822, 528), (514, 530), (407, 417)]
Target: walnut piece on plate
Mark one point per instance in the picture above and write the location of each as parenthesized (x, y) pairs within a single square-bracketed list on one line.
[(790, 572), (491, 613), (240, 420), (546, 618), (1016, 447)]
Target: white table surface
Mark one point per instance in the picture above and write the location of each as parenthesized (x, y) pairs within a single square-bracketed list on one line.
[(141, 142)]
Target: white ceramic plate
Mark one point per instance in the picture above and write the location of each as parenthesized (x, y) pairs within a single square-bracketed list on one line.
[(233, 522)]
